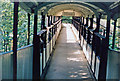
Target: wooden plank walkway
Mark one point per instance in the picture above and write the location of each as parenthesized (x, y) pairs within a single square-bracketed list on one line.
[(68, 61)]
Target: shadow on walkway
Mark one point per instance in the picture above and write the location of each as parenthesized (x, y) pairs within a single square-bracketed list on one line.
[(68, 61)]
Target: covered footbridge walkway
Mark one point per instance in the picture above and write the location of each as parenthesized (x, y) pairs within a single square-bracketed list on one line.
[(80, 49)]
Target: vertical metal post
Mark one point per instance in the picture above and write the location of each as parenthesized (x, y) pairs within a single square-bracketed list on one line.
[(15, 25), (35, 27), (91, 22), (87, 19), (98, 23), (85, 28), (82, 24), (113, 41), (94, 40), (28, 39), (83, 20), (48, 20), (104, 53), (43, 36), (54, 19), (89, 33), (80, 21), (51, 20), (43, 21), (36, 51), (107, 31)]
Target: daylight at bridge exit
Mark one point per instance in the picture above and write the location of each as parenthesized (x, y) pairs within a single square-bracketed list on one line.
[(52, 40)]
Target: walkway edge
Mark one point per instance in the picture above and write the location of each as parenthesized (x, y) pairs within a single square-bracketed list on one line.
[(49, 60), (88, 66)]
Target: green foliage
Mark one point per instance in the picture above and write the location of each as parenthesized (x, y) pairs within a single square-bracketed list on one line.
[(117, 40), (6, 27), (67, 19), (22, 28)]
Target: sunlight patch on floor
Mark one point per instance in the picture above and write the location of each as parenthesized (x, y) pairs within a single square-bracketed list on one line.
[(74, 59), (68, 61), (70, 36)]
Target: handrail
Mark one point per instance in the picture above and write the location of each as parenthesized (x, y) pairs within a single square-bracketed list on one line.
[(96, 51), (57, 21), (92, 30), (42, 32), (100, 24), (50, 26), (103, 27), (22, 48), (32, 57), (3, 53), (99, 35), (25, 47), (76, 21), (114, 50), (54, 24)]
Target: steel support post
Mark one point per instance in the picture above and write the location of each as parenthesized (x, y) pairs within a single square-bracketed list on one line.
[(15, 29)]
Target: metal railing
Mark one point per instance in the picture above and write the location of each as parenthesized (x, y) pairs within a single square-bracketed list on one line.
[(95, 48), (45, 43)]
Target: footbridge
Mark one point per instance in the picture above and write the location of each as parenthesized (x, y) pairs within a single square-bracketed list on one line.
[(82, 47)]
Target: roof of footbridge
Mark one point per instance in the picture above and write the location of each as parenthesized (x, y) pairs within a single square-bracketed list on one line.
[(80, 8)]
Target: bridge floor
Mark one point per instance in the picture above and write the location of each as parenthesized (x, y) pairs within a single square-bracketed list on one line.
[(68, 61)]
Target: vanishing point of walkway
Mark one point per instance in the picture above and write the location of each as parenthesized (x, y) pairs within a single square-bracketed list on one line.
[(68, 61)]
